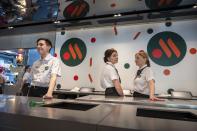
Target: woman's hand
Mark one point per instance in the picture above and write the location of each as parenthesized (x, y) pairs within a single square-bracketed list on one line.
[(153, 98)]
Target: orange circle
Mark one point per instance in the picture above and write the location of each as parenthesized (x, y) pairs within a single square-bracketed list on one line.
[(166, 72)]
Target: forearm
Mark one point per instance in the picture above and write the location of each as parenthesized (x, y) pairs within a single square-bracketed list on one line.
[(152, 88), (118, 88), (52, 84), (120, 91)]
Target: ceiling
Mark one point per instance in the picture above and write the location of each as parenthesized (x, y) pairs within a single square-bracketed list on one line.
[(31, 16)]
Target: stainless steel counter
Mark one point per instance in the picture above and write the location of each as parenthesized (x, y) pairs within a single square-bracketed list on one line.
[(16, 114), (124, 118), (171, 103)]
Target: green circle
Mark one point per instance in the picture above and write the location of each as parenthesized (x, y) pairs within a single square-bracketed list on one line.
[(126, 65), (73, 43), (177, 44), (156, 4)]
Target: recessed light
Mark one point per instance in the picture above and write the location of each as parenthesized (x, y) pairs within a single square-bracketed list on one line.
[(57, 22), (117, 15), (10, 27)]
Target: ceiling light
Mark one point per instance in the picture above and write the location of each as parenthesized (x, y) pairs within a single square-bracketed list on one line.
[(117, 15)]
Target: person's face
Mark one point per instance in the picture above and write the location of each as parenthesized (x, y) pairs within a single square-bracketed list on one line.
[(113, 58), (42, 47), (29, 70), (139, 60)]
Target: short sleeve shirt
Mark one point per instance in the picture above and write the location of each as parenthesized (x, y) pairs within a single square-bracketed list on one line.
[(42, 70), (141, 84), (109, 73), (27, 77)]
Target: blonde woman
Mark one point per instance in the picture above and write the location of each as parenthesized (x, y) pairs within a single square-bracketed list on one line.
[(144, 81)]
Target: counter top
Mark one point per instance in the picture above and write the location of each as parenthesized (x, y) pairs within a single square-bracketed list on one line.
[(110, 114), (172, 103), (20, 105), (124, 118)]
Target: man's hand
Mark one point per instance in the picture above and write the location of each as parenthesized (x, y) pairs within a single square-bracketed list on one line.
[(48, 96)]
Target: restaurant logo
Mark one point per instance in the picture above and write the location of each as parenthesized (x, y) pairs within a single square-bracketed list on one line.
[(166, 48), (73, 52), (76, 9), (156, 4)]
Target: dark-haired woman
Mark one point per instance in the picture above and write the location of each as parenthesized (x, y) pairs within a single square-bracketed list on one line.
[(144, 83), (110, 79)]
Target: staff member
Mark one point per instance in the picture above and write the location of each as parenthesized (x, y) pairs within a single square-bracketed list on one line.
[(26, 80), (144, 83), (110, 79), (2, 79), (44, 71)]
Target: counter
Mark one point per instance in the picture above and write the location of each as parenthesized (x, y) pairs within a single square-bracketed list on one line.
[(171, 103), (17, 115)]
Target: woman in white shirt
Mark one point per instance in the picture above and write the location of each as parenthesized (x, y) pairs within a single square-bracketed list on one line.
[(110, 79), (144, 83), (26, 80)]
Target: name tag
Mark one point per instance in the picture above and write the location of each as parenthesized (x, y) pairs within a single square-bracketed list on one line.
[(46, 68)]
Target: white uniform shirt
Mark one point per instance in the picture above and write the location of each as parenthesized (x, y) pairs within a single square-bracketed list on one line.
[(141, 84), (27, 77), (109, 73), (43, 68)]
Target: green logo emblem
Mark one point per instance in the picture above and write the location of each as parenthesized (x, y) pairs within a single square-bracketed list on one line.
[(73, 52), (166, 48), (77, 9)]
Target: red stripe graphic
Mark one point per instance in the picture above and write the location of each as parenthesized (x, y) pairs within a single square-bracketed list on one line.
[(90, 78), (115, 30), (174, 48), (169, 1), (165, 48), (75, 11), (161, 2), (72, 51), (90, 61), (81, 8), (78, 51), (136, 36), (164, 2)]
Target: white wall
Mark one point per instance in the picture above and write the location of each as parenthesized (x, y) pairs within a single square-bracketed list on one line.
[(183, 75)]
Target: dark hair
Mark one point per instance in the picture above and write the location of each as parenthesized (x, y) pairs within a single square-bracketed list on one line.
[(27, 67), (108, 53), (144, 55), (48, 42)]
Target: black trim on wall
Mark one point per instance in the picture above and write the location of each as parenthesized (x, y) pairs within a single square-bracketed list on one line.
[(74, 21)]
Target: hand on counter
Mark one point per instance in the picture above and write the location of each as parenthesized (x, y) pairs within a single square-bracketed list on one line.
[(153, 98), (48, 96)]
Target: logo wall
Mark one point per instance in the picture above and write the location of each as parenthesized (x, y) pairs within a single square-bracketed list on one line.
[(73, 52), (76, 9), (167, 48)]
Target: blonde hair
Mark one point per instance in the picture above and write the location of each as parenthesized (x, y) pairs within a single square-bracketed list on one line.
[(144, 55)]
